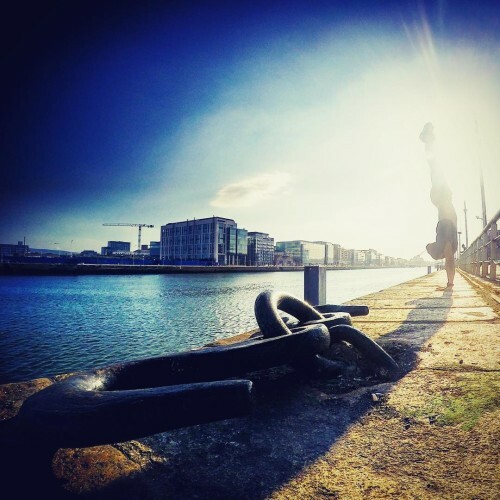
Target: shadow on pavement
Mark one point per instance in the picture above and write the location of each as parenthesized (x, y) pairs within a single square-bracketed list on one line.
[(404, 343)]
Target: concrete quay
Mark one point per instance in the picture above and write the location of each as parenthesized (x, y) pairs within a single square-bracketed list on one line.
[(433, 433), (44, 269)]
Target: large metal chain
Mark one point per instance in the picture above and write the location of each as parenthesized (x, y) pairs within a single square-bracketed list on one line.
[(135, 399), (339, 324)]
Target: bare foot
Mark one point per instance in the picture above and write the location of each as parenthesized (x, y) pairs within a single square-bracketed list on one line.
[(448, 287)]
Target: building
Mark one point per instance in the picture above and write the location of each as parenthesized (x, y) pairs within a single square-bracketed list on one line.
[(89, 253), (328, 251), (260, 249), (417, 261), (305, 252), (371, 257), (332, 253), (346, 256), (237, 246), (336, 254), (210, 241), (154, 249), (116, 247), (282, 259), (11, 250), (359, 258), (241, 255), (144, 251)]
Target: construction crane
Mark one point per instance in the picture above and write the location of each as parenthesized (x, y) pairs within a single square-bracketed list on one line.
[(140, 226)]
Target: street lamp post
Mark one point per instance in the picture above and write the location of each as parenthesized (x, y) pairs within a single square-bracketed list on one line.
[(483, 201), (466, 229)]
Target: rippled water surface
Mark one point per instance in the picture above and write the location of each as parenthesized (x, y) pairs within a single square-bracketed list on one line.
[(51, 325)]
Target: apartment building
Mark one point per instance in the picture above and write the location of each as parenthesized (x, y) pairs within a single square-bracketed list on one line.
[(260, 249)]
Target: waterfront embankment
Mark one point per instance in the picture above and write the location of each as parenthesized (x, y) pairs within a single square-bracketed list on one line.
[(55, 324), (433, 433), (121, 269), (47, 269)]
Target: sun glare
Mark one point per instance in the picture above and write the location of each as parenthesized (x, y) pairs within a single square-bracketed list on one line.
[(343, 123)]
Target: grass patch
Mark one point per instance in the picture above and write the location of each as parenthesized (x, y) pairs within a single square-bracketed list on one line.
[(471, 399)]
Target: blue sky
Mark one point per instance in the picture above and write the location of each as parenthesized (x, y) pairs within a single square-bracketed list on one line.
[(300, 119)]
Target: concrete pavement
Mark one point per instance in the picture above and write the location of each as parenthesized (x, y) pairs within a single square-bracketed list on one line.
[(433, 433)]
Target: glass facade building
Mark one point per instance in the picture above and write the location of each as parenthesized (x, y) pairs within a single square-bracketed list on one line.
[(210, 241), (331, 252), (305, 252), (241, 247)]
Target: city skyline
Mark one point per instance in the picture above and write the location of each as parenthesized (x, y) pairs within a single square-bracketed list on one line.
[(296, 120), (146, 243)]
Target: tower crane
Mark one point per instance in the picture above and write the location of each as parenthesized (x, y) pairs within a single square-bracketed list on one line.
[(140, 226)]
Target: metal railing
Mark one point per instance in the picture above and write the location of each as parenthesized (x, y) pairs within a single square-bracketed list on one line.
[(483, 255)]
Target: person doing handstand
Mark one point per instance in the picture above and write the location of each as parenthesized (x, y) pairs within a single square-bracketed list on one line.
[(446, 243)]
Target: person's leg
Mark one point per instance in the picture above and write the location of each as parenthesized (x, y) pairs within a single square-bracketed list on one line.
[(449, 263), (435, 250)]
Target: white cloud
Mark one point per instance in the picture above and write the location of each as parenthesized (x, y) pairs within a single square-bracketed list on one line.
[(249, 192)]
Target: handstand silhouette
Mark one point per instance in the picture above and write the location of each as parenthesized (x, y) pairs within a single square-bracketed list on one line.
[(446, 243)]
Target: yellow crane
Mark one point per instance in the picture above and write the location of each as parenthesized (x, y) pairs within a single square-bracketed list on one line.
[(140, 226)]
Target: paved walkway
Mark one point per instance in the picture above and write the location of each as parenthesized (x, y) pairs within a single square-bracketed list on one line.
[(434, 433)]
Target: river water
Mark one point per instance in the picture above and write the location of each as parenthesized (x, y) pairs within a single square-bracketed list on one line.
[(56, 324)]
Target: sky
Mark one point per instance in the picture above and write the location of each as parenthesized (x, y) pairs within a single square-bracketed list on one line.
[(298, 119)]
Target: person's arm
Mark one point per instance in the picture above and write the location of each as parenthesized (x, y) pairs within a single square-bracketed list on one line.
[(428, 138)]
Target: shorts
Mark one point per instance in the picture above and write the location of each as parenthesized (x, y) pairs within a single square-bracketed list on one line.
[(446, 232)]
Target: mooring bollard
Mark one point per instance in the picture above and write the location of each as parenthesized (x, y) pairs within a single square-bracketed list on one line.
[(315, 285)]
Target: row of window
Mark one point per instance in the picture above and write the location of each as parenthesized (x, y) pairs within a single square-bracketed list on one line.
[(189, 239), (198, 228)]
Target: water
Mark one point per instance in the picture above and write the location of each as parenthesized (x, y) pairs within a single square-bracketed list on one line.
[(51, 325)]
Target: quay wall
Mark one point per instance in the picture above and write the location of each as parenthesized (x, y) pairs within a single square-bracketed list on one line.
[(92, 269)]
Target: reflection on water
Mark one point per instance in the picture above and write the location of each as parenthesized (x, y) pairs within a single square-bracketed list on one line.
[(52, 325)]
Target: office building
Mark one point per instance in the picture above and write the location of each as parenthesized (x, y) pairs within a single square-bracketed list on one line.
[(371, 258), (240, 257), (305, 252), (210, 241), (346, 256), (336, 254), (332, 253), (116, 247), (260, 249), (154, 249), (11, 250)]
